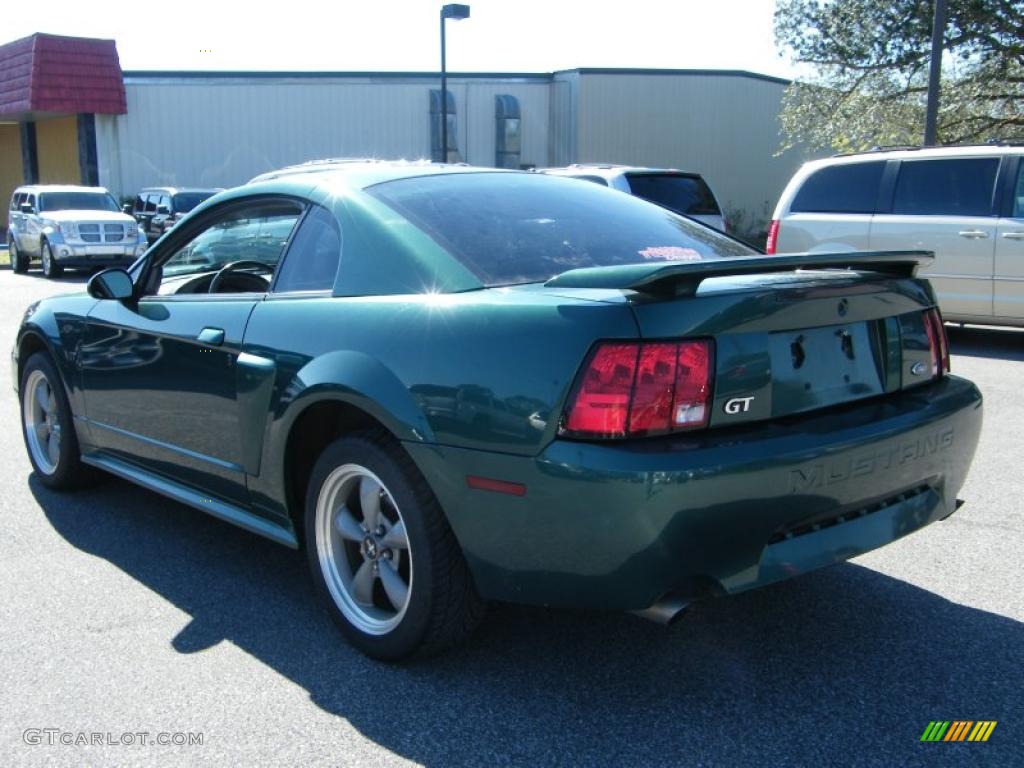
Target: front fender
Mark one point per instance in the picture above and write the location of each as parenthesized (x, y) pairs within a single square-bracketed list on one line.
[(51, 234), (58, 331)]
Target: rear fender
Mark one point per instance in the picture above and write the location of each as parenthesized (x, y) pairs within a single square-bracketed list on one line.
[(349, 377), (362, 381)]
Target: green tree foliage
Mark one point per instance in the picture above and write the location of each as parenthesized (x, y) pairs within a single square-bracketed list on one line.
[(868, 63)]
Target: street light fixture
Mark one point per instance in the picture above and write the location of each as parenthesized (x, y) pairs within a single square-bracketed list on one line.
[(455, 12)]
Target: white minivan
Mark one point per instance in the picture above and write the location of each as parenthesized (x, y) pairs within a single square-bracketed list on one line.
[(965, 203)]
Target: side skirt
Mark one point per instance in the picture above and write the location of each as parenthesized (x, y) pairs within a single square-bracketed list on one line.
[(186, 495)]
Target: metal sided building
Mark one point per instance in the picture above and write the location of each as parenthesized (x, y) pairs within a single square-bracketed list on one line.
[(69, 114)]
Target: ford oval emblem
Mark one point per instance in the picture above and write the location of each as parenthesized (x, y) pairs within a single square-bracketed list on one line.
[(918, 369)]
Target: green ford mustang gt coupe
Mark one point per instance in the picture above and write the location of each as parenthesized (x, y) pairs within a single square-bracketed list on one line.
[(453, 385)]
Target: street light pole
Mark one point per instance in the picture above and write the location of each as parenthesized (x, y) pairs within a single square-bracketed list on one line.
[(931, 117), (456, 13)]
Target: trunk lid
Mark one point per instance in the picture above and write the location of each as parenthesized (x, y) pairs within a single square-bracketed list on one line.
[(792, 334)]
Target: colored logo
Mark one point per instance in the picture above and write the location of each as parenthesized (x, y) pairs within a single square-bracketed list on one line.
[(958, 730)]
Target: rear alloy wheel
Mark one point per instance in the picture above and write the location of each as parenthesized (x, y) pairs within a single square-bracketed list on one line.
[(51, 268), (47, 427), (382, 553), (19, 262)]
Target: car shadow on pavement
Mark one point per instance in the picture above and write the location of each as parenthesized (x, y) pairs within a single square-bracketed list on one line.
[(996, 343), (845, 665)]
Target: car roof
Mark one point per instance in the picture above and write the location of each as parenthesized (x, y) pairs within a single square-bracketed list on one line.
[(362, 173), (918, 153), (609, 170), (59, 188)]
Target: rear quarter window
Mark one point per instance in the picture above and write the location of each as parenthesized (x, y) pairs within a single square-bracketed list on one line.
[(846, 188), (953, 187)]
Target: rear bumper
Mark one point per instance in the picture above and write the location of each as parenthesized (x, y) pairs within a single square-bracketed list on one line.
[(621, 525)]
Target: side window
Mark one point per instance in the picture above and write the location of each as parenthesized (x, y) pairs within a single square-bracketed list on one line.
[(955, 187), (845, 188), (151, 203), (256, 234), (311, 263), (31, 200), (1018, 194), (165, 201)]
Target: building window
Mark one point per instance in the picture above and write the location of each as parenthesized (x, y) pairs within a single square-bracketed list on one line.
[(507, 137), (435, 129)]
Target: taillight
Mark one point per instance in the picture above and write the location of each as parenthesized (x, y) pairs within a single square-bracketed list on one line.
[(938, 342), (629, 389), (773, 238)]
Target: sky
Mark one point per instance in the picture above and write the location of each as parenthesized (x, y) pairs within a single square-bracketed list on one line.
[(403, 35)]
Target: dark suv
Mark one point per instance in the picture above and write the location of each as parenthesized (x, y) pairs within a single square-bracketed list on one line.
[(157, 209)]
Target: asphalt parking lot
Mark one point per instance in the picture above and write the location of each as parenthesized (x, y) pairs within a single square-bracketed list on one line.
[(122, 612)]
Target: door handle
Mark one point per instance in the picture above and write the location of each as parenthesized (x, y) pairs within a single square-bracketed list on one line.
[(973, 234), (213, 337), (1013, 235)]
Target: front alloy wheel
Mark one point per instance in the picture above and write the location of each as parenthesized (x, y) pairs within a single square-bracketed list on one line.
[(42, 423), (51, 268), (381, 551), (47, 428)]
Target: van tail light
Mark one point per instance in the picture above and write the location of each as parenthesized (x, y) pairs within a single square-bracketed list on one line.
[(773, 238), (630, 389), (938, 342)]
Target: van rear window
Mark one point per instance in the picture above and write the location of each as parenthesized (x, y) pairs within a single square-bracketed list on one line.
[(682, 193), (846, 188)]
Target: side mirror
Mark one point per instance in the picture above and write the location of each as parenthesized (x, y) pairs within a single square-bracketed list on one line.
[(26, 208), (111, 284), (163, 210), (127, 208)]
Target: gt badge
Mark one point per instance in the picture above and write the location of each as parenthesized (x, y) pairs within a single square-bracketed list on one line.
[(738, 405)]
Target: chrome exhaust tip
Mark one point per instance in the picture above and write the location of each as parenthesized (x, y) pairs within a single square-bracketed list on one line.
[(666, 611)]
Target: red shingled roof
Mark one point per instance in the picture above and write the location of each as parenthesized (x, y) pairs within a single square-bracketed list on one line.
[(66, 75)]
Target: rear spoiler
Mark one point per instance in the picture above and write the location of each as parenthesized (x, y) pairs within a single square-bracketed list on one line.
[(683, 278)]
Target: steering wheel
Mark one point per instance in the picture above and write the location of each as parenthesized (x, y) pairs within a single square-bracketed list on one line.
[(235, 265)]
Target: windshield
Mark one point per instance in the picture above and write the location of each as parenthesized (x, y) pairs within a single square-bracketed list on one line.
[(186, 201), (77, 201), (688, 195), (510, 228)]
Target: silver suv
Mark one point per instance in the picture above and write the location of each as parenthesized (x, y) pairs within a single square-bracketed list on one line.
[(684, 192), (66, 226)]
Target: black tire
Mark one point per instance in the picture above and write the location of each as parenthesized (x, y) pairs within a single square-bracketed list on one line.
[(19, 262), (443, 605), (51, 269), (69, 471)]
